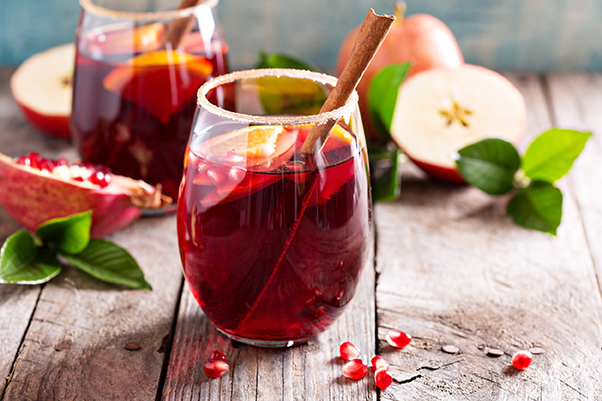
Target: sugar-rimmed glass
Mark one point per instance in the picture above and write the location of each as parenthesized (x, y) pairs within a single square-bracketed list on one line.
[(272, 241)]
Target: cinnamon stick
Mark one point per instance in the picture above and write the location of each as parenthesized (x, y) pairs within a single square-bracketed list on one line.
[(372, 32), (179, 27)]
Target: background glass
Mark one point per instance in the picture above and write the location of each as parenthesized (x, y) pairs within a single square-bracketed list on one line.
[(273, 244), (138, 67)]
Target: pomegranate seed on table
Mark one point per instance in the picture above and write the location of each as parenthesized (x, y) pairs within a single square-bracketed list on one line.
[(522, 359), (348, 351), (216, 368), (217, 355), (379, 362), (383, 378), (398, 339), (355, 369)]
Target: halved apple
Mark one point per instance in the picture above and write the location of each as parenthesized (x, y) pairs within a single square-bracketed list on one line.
[(440, 111), (42, 88)]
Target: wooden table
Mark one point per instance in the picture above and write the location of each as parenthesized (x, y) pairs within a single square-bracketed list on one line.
[(449, 268)]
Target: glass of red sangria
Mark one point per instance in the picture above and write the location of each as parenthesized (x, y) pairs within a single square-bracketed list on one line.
[(273, 241), (137, 70)]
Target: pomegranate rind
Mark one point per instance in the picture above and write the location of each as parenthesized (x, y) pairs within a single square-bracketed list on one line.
[(32, 197)]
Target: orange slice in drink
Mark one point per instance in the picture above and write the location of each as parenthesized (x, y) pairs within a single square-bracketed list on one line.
[(259, 147), (159, 81)]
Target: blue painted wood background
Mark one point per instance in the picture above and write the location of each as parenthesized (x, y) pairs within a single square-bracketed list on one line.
[(520, 35)]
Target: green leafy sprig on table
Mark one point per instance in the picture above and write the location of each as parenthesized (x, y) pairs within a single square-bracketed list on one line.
[(27, 258), (495, 167)]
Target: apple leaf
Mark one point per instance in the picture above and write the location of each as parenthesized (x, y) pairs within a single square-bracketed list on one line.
[(384, 172), (551, 155), (21, 262), (537, 206), (68, 234), (382, 96), (111, 263), (279, 60), (489, 165)]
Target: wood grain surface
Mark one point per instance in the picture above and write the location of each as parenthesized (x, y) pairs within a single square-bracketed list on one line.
[(450, 268)]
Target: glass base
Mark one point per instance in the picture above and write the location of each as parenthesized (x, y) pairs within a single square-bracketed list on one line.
[(264, 343)]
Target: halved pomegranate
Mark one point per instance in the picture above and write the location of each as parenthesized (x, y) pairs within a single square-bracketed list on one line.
[(36, 189)]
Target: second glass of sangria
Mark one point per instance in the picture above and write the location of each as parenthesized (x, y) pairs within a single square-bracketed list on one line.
[(138, 68), (272, 239)]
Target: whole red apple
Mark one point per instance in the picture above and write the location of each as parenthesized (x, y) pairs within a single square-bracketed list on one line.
[(421, 39), (440, 111), (42, 88)]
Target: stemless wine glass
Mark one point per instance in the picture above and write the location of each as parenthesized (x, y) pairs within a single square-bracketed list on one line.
[(273, 241), (138, 67)]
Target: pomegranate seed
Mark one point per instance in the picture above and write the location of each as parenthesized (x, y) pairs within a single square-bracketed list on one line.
[(217, 356), (61, 161), (34, 160), (383, 378), (398, 339), (355, 369), (215, 369), (47, 165), (100, 178), (78, 178), (379, 362), (348, 351), (522, 359)]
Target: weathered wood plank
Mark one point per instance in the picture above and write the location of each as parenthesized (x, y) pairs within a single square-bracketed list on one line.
[(453, 269), (577, 104), (307, 372), (75, 345), (17, 303)]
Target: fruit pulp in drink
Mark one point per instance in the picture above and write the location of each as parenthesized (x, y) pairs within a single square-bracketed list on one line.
[(133, 103), (275, 253)]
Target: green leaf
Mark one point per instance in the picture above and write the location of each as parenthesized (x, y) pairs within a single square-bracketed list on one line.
[(538, 206), (279, 60), (68, 235), (111, 263), (489, 165), (551, 155), (382, 96), (21, 262), (384, 172)]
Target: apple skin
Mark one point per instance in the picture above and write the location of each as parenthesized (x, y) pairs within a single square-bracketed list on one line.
[(423, 40), (56, 126), (499, 105)]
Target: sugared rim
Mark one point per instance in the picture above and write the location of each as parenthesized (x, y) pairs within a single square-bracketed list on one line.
[(273, 120), (89, 6)]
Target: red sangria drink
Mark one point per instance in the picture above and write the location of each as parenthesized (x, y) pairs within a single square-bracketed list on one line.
[(273, 242), (135, 83)]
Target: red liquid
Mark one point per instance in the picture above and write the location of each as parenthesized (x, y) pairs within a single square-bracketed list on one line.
[(278, 257), (137, 122)]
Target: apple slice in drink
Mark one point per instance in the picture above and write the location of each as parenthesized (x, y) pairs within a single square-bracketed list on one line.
[(440, 111)]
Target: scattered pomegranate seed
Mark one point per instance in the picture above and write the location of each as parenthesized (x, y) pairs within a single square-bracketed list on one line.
[(47, 165), (398, 339), (215, 369), (522, 359), (379, 362), (355, 369), (217, 356), (349, 351), (100, 178), (383, 378)]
